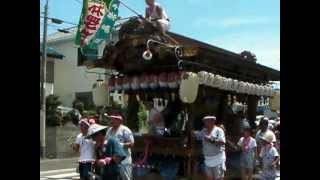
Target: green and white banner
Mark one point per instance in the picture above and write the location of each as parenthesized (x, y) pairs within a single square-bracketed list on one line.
[(96, 22)]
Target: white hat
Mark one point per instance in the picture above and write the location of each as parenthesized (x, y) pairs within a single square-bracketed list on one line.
[(209, 117), (268, 136), (95, 128), (114, 116)]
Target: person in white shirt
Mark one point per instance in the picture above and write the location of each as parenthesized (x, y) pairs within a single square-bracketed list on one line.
[(213, 148), (269, 156), (125, 137), (157, 16), (264, 124), (248, 147), (86, 148)]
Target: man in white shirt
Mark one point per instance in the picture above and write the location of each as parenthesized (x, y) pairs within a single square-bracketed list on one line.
[(264, 124), (156, 15), (213, 148), (86, 148), (125, 137)]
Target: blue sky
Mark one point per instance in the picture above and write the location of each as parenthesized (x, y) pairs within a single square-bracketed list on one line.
[(234, 25)]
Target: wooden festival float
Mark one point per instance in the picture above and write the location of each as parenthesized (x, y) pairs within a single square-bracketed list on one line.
[(189, 81)]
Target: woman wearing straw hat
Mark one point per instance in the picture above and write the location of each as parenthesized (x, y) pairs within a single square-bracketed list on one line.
[(269, 157), (109, 153)]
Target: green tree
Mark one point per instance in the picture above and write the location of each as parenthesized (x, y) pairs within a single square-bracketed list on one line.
[(53, 117), (77, 104)]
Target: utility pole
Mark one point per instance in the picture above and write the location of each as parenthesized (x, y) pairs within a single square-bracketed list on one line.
[(43, 81)]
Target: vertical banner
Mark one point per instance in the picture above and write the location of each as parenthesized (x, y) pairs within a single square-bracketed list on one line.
[(96, 22)]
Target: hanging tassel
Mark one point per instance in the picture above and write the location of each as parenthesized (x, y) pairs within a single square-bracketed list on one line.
[(229, 100)]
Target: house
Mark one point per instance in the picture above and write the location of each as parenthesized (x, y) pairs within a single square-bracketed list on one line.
[(70, 80), (52, 55)]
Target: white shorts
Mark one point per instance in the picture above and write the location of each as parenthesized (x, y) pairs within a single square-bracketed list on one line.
[(165, 24), (217, 172)]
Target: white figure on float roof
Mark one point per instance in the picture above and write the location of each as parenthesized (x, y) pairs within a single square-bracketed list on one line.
[(157, 16)]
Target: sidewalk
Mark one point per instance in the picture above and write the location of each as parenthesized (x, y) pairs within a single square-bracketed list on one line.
[(53, 160), (53, 164)]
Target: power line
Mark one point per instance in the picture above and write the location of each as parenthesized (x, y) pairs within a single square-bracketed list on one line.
[(59, 21), (78, 1)]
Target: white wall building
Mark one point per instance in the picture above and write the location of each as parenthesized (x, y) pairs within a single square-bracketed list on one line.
[(71, 80)]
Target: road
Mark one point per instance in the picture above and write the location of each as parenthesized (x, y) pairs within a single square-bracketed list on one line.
[(61, 169), (65, 169)]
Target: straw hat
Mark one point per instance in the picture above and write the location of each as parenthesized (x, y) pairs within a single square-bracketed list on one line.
[(95, 128), (268, 136)]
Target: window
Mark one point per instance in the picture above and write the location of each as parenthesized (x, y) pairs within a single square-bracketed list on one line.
[(86, 98)]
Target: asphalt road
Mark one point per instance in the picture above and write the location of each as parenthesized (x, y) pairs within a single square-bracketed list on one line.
[(53, 164)]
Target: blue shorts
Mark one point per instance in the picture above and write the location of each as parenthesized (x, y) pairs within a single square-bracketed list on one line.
[(247, 161), (84, 169)]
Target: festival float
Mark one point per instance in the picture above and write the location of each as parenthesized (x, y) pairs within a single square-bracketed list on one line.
[(195, 78), (185, 82)]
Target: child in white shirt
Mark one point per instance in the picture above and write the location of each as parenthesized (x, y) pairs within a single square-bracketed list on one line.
[(270, 158), (86, 148), (248, 146)]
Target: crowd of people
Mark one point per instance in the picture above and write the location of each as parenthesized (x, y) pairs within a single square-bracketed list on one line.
[(259, 154), (104, 152)]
